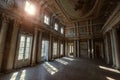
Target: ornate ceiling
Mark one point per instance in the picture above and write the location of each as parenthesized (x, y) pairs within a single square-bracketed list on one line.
[(81, 10), (77, 9)]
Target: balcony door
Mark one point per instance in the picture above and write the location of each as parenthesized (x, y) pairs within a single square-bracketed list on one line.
[(44, 51), (24, 50)]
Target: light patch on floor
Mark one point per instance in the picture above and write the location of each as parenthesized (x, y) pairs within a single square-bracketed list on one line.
[(109, 69), (14, 76), (62, 62), (109, 78), (51, 69), (69, 58), (23, 74)]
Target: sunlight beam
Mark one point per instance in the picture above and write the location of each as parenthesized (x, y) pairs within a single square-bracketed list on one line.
[(23, 74), (62, 62), (68, 58), (109, 78), (109, 69), (51, 69), (14, 76)]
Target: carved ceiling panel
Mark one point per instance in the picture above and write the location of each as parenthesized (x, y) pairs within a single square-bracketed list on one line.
[(77, 9)]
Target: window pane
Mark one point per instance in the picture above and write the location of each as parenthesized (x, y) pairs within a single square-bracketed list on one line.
[(28, 39), (56, 26), (28, 46), (62, 30), (21, 50), (22, 38), (55, 49), (20, 56), (21, 47), (22, 44), (61, 49), (46, 20)]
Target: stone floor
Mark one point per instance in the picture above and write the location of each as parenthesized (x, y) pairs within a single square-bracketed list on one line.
[(65, 69)]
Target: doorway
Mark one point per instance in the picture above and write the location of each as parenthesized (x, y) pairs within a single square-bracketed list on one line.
[(44, 51), (24, 50), (84, 49), (70, 49)]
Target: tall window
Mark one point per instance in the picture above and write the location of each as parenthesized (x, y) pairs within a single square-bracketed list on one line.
[(44, 51), (62, 30), (54, 49), (24, 47), (56, 26), (46, 20), (71, 48), (61, 49)]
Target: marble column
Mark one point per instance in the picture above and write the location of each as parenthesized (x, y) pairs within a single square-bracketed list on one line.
[(75, 48), (50, 48), (89, 54), (78, 48), (39, 47), (33, 60), (106, 50), (3, 34), (66, 48), (116, 49), (92, 48), (13, 44), (113, 49), (58, 49)]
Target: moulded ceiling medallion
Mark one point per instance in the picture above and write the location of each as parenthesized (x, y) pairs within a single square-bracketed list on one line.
[(77, 9)]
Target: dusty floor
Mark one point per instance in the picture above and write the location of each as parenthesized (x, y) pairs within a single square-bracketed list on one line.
[(66, 69)]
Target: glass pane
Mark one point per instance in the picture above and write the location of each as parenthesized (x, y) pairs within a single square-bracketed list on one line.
[(46, 20), (22, 38), (22, 44), (56, 26), (21, 47), (54, 49), (62, 30), (28, 39), (43, 48), (21, 50), (20, 56), (28, 46), (61, 51)]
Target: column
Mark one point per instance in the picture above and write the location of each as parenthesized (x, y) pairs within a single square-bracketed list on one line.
[(58, 49), (3, 34), (106, 50), (13, 44), (78, 44), (92, 48), (116, 49), (75, 48), (78, 48), (39, 47), (89, 54), (113, 54), (66, 48), (33, 61), (50, 48)]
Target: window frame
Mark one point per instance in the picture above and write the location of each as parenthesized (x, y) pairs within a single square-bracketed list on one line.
[(25, 46), (56, 26), (46, 19)]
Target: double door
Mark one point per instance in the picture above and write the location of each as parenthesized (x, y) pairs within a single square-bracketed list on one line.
[(24, 50), (44, 51)]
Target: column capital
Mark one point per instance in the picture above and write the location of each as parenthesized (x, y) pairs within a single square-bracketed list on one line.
[(5, 19)]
